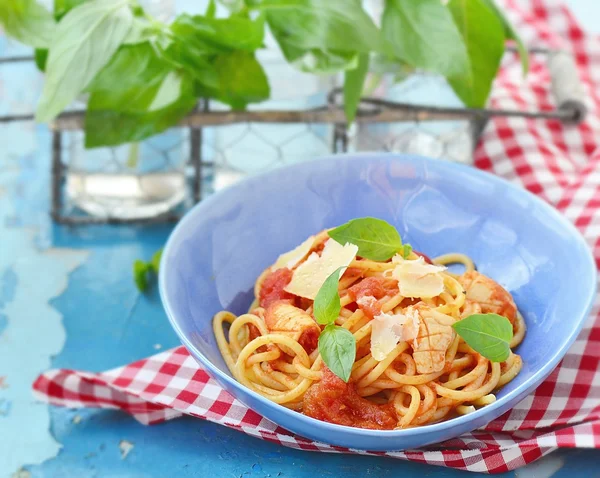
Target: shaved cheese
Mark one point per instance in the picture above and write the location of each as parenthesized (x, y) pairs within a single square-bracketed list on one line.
[(310, 275), (291, 258), (417, 278), (389, 329), (410, 331)]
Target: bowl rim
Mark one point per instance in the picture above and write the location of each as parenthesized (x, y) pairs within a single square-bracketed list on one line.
[(518, 393)]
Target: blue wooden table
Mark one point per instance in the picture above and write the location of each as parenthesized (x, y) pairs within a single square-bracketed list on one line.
[(67, 300)]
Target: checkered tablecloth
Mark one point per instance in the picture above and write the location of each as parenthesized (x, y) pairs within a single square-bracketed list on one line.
[(560, 164)]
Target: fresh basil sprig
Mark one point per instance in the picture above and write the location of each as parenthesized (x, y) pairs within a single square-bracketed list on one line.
[(326, 307), (337, 345), (145, 272), (353, 86), (84, 42), (483, 36), (376, 239), (214, 58), (487, 334), (511, 34)]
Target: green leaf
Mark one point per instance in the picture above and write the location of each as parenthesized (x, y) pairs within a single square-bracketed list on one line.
[(376, 239), (326, 307), (108, 127), (337, 347), (332, 25), (195, 61), (141, 31), (85, 40), (216, 35), (27, 21), (196, 43), (62, 7), (483, 35), (242, 80), (319, 61), (406, 250), (211, 9), (424, 35), (487, 334), (511, 34), (354, 82), (40, 58), (140, 275), (131, 81), (155, 262)]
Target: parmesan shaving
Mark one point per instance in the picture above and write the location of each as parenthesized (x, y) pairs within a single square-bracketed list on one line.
[(389, 329), (290, 259), (417, 278), (312, 273)]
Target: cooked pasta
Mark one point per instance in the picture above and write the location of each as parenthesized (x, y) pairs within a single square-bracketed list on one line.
[(410, 369)]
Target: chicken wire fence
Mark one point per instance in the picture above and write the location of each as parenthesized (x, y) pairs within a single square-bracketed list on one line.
[(159, 178)]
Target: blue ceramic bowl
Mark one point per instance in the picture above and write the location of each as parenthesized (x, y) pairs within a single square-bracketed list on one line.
[(217, 251)]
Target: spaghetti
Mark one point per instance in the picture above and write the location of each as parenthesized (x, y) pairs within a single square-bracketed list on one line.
[(427, 374)]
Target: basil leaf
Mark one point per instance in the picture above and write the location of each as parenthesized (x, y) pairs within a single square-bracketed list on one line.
[(376, 239), (85, 40), (332, 25), (337, 347), (487, 334), (108, 127), (218, 35), (211, 9), (242, 80), (483, 35), (406, 250), (62, 7), (40, 57), (131, 80), (141, 31), (155, 261), (315, 60), (203, 47), (140, 275), (195, 61), (326, 307), (27, 21), (425, 36), (354, 82), (511, 34)]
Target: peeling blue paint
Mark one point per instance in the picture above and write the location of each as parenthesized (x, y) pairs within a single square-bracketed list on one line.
[(8, 285), (5, 406), (3, 323)]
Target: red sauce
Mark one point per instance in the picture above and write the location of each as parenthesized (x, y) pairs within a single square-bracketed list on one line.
[(310, 339), (334, 401), (427, 259), (376, 287), (272, 287)]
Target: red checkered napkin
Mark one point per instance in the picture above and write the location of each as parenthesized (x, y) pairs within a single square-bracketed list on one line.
[(560, 164)]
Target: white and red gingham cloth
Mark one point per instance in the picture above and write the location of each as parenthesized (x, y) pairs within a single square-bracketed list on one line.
[(560, 164)]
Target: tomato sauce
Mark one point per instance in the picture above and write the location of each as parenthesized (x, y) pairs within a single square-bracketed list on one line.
[(368, 290), (427, 259), (272, 287), (334, 401)]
